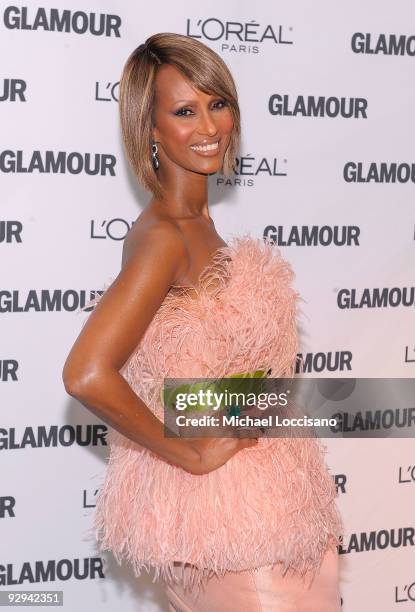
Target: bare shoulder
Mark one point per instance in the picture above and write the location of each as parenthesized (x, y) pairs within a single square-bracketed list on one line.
[(152, 262), (154, 237)]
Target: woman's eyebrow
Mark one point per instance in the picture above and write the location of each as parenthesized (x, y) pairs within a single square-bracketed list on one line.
[(189, 101)]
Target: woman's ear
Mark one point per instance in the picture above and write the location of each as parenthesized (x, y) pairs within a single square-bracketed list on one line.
[(155, 134)]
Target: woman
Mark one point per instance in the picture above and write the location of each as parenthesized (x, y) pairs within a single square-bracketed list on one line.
[(227, 523)]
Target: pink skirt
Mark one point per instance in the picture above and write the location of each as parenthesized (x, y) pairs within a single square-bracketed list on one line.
[(264, 588)]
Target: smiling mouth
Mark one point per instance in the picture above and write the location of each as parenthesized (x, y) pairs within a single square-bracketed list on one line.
[(204, 148)]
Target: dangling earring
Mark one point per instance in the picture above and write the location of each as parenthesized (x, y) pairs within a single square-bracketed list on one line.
[(154, 157)]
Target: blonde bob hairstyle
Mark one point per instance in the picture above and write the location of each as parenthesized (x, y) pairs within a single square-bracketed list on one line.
[(204, 69)]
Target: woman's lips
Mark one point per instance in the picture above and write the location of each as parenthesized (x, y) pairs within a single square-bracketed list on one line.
[(209, 151)]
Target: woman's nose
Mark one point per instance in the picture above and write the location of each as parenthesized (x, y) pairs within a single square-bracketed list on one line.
[(207, 124)]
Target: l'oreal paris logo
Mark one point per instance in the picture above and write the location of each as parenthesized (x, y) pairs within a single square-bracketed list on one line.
[(248, 167), (239, 36)]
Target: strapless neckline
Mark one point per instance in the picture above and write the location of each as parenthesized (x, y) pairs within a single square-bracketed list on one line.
[(217, 269), (214, 277), (223, 247)]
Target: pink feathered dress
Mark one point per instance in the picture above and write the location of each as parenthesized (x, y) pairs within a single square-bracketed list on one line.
[(268, 504)]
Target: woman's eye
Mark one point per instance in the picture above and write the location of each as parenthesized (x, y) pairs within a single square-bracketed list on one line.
[(181, 111), (221, 102)]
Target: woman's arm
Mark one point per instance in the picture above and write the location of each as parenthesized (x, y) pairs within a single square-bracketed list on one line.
[(111, 333)]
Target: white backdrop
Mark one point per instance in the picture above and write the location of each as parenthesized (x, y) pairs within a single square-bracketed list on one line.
[(61, 238)]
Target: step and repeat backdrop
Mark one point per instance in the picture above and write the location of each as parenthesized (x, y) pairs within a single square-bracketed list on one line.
[(326, 168)]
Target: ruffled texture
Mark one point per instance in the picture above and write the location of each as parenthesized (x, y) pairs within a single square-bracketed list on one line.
[(272, 503)]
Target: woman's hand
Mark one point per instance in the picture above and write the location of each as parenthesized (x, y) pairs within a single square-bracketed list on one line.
[(212, 453)]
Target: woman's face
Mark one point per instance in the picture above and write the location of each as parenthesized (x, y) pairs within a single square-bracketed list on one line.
[(184, 118)]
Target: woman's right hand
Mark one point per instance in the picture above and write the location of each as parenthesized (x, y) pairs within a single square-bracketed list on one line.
[(215, 452)]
